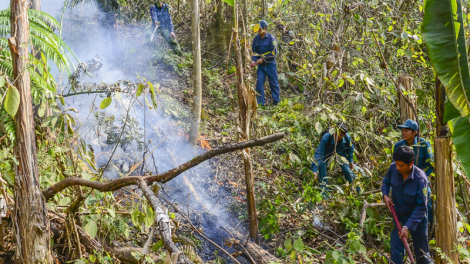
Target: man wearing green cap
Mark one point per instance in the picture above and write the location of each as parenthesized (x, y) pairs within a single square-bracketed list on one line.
[(162, 19), (423, 154), (264, 55)]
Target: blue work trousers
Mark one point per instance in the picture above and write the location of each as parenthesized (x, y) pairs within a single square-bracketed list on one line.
[(420, 243), (430, 209), (347, 172), (267, 69)]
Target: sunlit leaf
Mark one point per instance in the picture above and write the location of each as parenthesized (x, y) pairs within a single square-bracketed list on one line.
[(111, 212), (91, 228), (230, 2), (318, 127), (12, 101), (256, 27), (140, 88), (299, 245), (42, 109), (106, 102)]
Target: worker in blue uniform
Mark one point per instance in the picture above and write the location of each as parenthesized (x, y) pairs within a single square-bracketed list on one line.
[(330, 144), (264, 55), (409, 131), (162, 19), (409, 185)]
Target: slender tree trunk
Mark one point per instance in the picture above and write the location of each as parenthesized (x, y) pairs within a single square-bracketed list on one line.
[(197, 83), (36, 5), (406, 112), (246, 109), (30, 220), (446, 214)]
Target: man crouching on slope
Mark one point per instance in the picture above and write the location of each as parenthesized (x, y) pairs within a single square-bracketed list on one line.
[(409, 186)]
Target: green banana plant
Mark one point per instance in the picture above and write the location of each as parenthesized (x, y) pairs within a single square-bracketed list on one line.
[(444, 34)]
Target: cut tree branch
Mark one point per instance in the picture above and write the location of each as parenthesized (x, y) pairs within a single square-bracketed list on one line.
[(163, 228), (161, 177)]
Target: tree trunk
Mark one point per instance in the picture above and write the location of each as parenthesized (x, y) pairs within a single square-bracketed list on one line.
[(246, 109), (36, 5), (197, 83), (406, 112), (258, 254), (446, 213), (31, 224)]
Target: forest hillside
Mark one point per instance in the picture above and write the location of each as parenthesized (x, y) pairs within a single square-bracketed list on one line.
[(226, 131)]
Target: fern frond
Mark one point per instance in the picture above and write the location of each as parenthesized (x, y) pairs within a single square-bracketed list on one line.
[(9, 124), (49, 20), (41, 27)]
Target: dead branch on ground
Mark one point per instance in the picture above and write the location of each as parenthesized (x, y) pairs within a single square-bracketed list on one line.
[(363, 214), (163, 228), (161, 177)]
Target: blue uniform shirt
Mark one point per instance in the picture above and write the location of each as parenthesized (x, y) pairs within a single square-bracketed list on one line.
[(328, 147), (161, 15), (409, 196), (425, 154), (261, 46)]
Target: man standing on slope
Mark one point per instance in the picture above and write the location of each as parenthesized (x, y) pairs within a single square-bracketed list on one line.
[(264, 55), (162, 19), (409, 131), (409, 186)]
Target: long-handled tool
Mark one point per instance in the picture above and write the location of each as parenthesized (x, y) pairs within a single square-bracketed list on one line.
[(407, 247), (153, 34)]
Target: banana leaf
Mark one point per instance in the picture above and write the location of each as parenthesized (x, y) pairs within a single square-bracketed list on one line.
[(460, 128), (443, 32)]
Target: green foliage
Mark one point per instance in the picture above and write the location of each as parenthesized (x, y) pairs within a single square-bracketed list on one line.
[(294, 250), (443, 30), (230, 2), (106, 102), (12, 100), (460, 128), (43, 38)]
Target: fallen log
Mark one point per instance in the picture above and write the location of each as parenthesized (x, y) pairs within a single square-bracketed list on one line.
[(163, 229), (124, 254), (256, 252), (161, 177)]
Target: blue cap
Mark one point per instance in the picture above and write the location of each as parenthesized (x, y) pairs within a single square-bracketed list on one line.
[(263, 24), (410, 124)]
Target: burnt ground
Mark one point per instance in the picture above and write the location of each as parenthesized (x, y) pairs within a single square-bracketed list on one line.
[(220, 181)]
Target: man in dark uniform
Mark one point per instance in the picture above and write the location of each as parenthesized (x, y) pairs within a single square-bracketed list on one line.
[(264, 55), (409, 186), (162, 19), (409, 130), (337, 143)]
